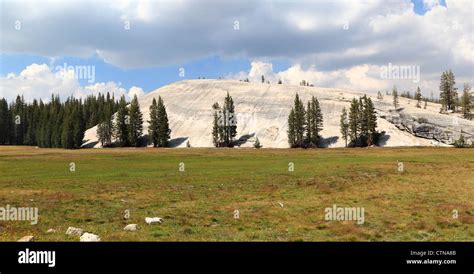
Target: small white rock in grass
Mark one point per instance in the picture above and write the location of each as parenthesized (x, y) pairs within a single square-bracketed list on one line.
[(154, 220), (27, 239), (89, 237), (74, 231), (281, 204), (51, 230), (131, 227)]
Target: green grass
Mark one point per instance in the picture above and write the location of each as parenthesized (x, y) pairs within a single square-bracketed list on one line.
[(198, 204)]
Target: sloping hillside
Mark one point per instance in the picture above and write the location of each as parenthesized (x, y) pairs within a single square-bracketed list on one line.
[(262, 110)]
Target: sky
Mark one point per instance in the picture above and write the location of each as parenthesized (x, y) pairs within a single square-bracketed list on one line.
[(134, 47)]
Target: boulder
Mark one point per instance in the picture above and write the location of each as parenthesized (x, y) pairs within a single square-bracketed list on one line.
[(89, 237), (131, 227), (74, 231), (27, 239), (153, 220)]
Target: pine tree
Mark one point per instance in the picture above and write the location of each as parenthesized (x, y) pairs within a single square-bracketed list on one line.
[(230, 121), (163, 125), (315, 124), (19, 121), (104, 130), (418, 97), (379, 95), (362, 126), (299, 121), (371, 119), (106, 127), (363, 119), (309, 124), (4, 122), (257, 144), (426, 103), (395, 97), (466, 103), (460, 143), (135, 127), (55, 122), (153, 124), (79, 125), (354, 123), (448, 90), (291, 129), (33, 121), (224, 128), (263, 79), (122, 122), (67, 140), (344, 125), (216, 128)]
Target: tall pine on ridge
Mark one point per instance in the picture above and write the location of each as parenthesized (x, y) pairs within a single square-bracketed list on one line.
[(344, 125), (163, 125), (153, 124), (135, 127), (122, 120)]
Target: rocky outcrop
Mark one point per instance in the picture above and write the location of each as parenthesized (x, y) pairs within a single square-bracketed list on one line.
[(262, 112), (445, 131)]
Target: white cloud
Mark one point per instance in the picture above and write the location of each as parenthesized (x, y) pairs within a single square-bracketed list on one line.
[(135, 91), (306, 33), (362, 78), (38, 81), (171, 32)]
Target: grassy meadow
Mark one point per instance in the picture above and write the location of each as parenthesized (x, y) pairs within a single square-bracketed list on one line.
[(198, 204)]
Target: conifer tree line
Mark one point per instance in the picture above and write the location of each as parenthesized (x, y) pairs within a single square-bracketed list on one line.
[(52, 124), (359, 126), (448, 98), (305, 125), (57, 124), (158, 128), (224, 124), (126, 126)]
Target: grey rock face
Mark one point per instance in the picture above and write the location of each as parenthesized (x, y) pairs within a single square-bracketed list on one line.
[(445, 130)]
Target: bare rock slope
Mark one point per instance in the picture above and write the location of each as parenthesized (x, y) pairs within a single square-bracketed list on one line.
[(262, 110)]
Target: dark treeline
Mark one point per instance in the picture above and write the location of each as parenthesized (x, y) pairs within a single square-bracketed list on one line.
[(53, 124)]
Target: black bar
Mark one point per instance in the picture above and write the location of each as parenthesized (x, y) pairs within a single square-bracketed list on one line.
[(327, 257)]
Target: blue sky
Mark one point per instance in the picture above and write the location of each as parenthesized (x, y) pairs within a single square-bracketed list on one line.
[(147, 78), (283, 40), (420, 7)]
